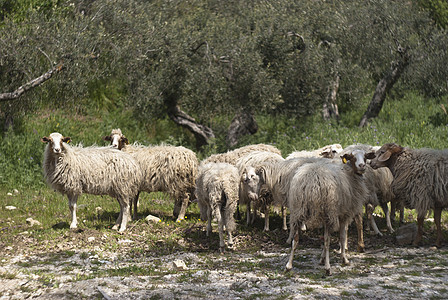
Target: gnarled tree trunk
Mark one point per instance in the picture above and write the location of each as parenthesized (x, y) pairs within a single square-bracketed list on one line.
[(203, 134), (383, 88), (330, 107), (244, 123)]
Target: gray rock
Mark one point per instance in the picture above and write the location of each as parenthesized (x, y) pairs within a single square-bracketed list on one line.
[(406, 234)]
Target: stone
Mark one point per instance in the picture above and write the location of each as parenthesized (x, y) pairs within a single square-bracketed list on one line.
[(405, 235), (179, 265), (32, 222), (151, 218), (10, 207)]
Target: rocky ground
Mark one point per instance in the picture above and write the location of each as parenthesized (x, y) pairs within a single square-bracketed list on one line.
[(82, 265)]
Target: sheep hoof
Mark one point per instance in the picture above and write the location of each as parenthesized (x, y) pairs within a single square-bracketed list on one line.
[(73, 226), (288, 267), (115, 227), (328, 272)]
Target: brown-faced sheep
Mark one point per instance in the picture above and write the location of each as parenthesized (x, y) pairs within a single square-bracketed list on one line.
[(217, 194), (420, 181), (327, 194), (165, 168), (92, 170), (250, 191)]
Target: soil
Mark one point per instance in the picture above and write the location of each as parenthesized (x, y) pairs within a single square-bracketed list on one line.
[(93, 264)]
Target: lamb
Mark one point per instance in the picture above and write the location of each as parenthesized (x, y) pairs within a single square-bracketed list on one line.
[(329, 151), (232, 156), (93, 170), (165, 168), (420, 181), (327, 194), (251, 191), (217, 194)]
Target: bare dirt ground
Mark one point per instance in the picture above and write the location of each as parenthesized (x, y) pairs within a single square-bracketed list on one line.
[(88, 264)]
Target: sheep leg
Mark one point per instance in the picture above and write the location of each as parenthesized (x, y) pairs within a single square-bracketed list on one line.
[(183, 209), (295, 242), (418, 237), (285, 225), (248, 213), (437, 217), (385, 208), (125, 214), (120, 216), (358, 222), (135, 201), (326, 251), (266, 217), (374, 226), (72, 200), (209, 220), (343, 241), (292, 231), (220, 220)]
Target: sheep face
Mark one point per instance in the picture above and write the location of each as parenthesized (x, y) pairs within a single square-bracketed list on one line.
[(116, 139), (56, 142), (331, 151), (386, 156), (357, 159), (252, 182)]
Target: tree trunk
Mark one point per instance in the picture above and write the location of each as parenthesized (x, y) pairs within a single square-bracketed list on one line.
[(203, 134), (383, 88), (330, 107), (243, 124)]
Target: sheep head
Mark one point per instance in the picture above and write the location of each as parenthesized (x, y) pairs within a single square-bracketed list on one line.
[(357, 160), (116, 139), (386, 156), (251, 181), (330, 151), (56, 142)]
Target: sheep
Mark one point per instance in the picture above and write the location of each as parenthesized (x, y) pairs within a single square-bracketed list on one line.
[(93, 170), (217, 194), (165, 168), (250, 191), (327, 194), (380, 193), (276, 178), (232, 156), (329, 151), (420, 180)]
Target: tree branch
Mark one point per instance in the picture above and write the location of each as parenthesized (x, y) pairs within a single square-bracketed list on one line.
[(32, 84)]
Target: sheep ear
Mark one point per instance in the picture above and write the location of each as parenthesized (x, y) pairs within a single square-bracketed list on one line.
[(385, 156), (244, 176), (370, 155), (346, 157), (261, 173), (66, 139), (125, 140), (45, 139), (107, 138)]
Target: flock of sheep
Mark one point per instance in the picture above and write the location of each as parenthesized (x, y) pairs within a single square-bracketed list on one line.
[(325, 188)]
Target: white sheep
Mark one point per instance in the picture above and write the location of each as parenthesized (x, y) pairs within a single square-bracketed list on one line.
[(379, 186), (329, 151), (92, 170), (232, 156), (250, 190), (420, 181), (327, 194), (165, 169), (217, 194)]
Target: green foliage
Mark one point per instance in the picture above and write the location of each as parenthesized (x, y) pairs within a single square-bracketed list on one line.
[(438, 10)]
